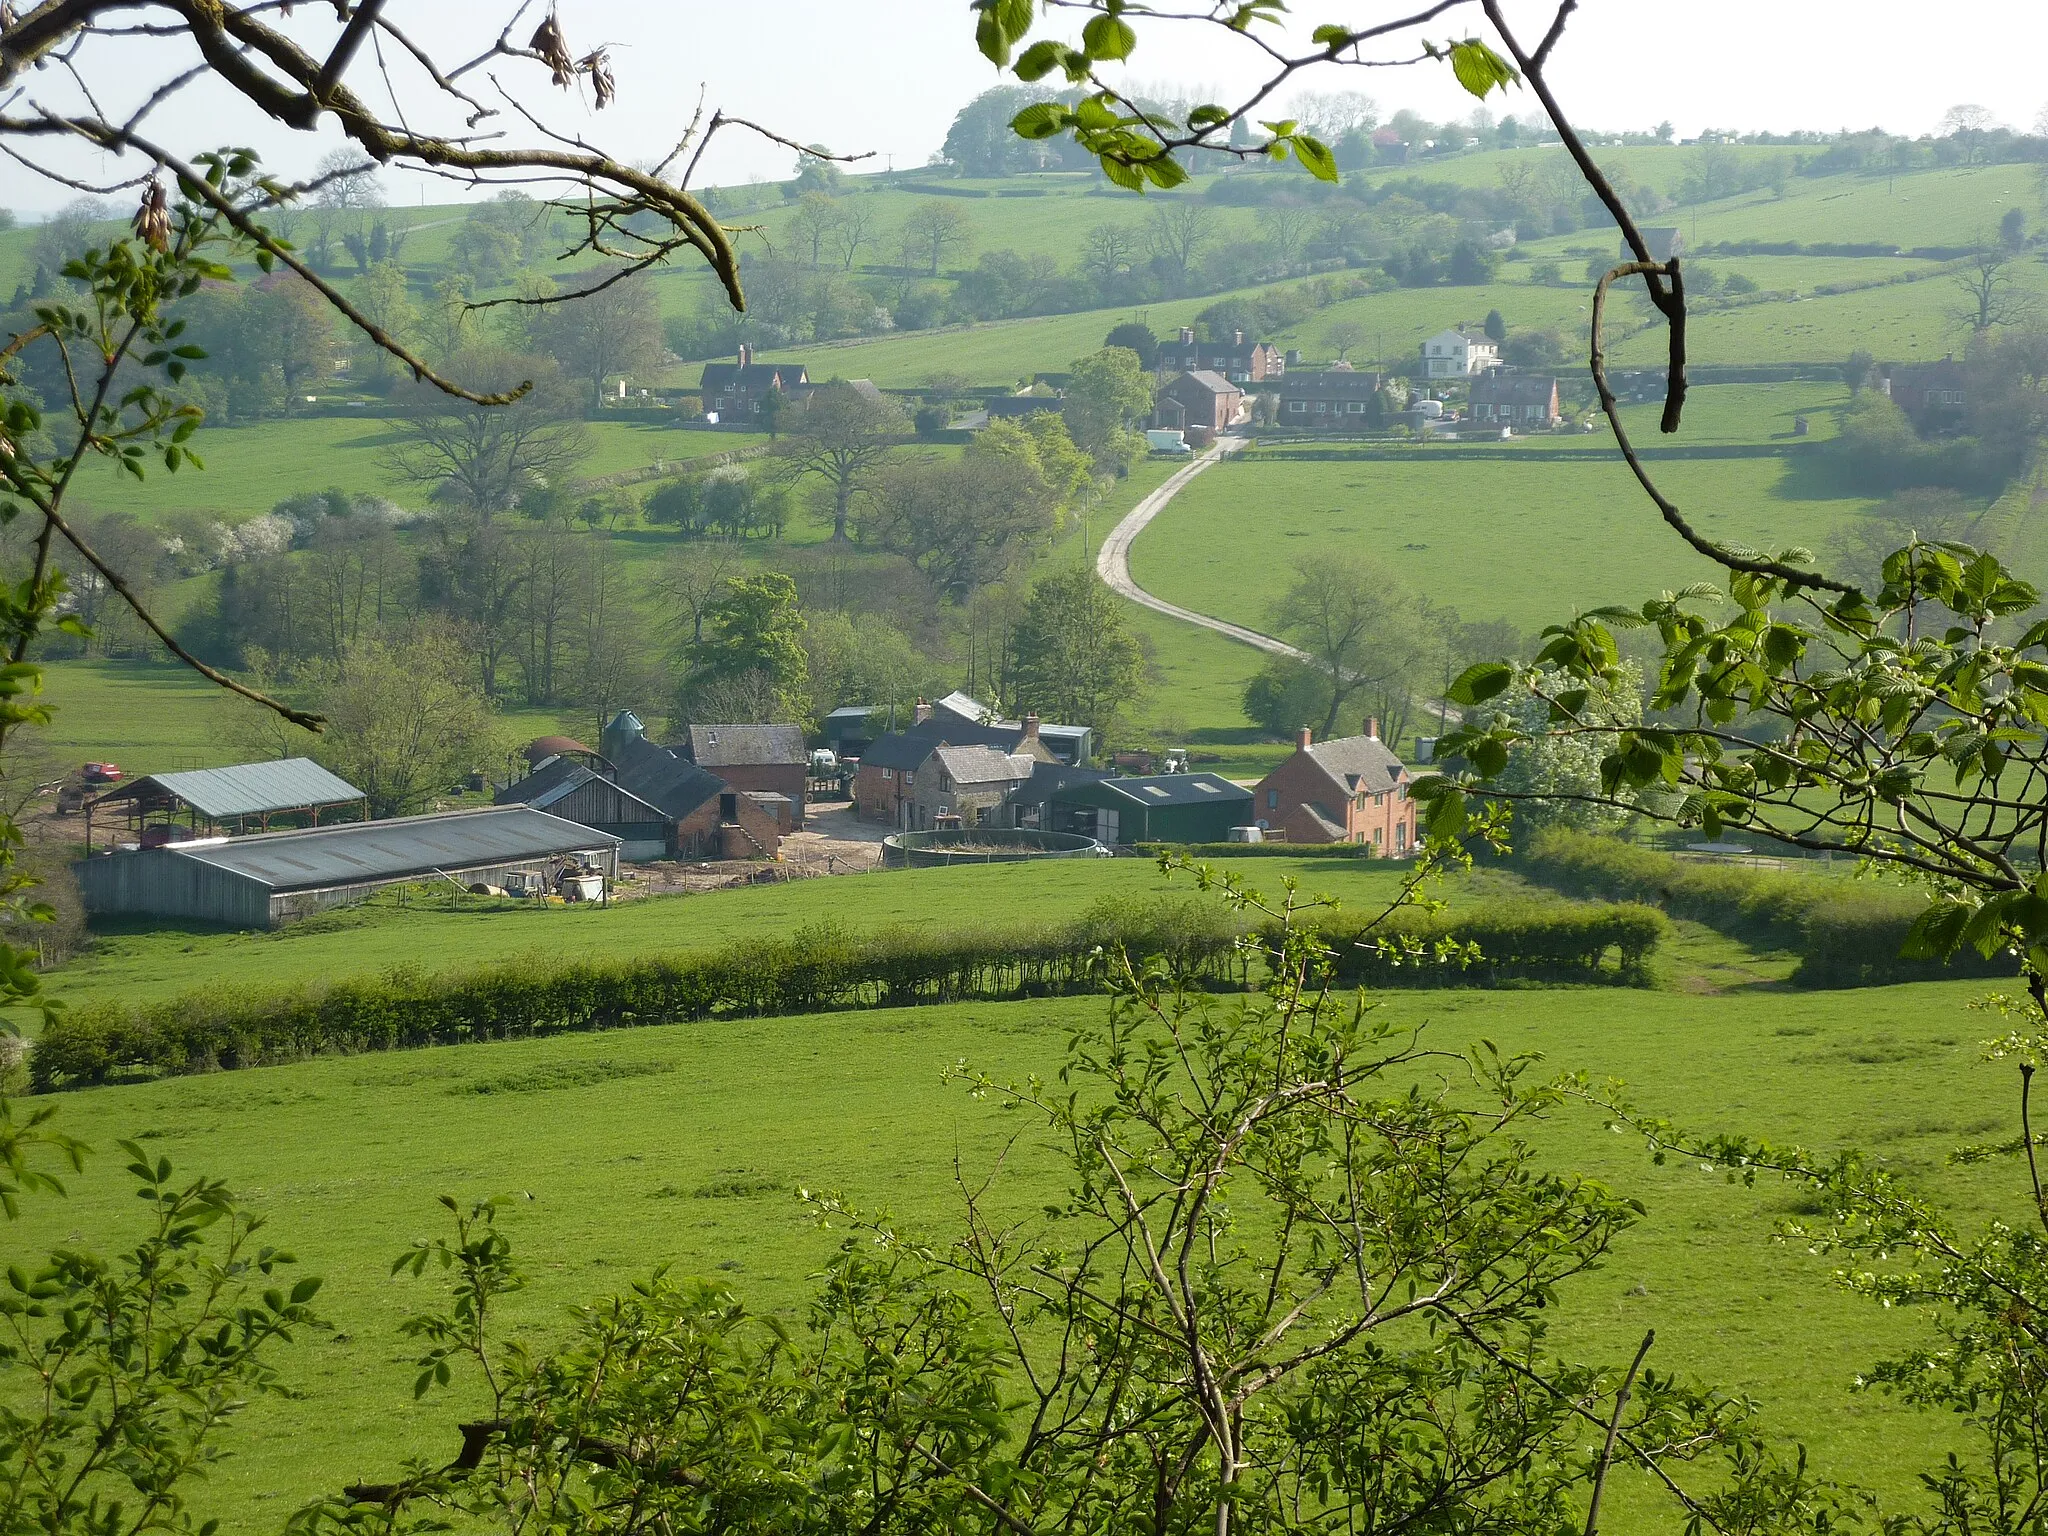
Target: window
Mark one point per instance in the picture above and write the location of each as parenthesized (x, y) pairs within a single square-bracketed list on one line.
[(1379, 799), (1355, 407), (888, 774), (1322, 407), (1272, 799), (1208, 789), (1297, 406)]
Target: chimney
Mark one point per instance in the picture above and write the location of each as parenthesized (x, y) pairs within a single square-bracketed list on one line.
[(1030, 729), (1237, 338), (1302, 740), (1187, 336), (746, 353), (1372, 727), (922, 713)]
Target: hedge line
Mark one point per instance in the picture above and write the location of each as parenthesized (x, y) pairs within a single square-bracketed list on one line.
[(1259, 850), (1522, 941), (1847, 933), (809, 971)]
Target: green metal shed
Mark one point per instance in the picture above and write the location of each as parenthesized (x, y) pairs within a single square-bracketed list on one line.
[(1160, 808)]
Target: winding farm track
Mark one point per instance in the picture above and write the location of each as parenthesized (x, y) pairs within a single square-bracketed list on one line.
[(1113, 562)]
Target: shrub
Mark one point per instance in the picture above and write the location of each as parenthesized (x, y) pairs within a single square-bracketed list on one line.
[(1517, 941)]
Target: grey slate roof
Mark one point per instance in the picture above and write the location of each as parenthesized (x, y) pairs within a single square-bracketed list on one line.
[(1177, 789), (1502, 386), (1210, 380), (672, 784), (361, 851), (1359, 762), (984, 765), (247, 789), (732, 746), (1331, 384)]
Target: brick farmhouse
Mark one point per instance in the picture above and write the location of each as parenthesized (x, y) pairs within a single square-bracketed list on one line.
[(1349, 790), (1198, 399), (1238, 360)]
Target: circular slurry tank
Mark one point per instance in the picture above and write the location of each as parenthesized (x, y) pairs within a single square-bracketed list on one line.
[(984, 845)]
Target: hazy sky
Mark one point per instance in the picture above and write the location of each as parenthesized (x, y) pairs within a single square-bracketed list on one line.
[(888, 75)]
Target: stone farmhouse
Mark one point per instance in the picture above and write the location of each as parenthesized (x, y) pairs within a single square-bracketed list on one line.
[(903, 782), (1349, 790), (1458, 354), (1504, 398), (972, 784), (1238, 360)]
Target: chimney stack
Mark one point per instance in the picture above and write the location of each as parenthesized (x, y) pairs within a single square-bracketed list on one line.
[(1372, 727), (1187, 336), (1237, 338), (746, 353), (1030, 729), (1301, 741), (921, 713)]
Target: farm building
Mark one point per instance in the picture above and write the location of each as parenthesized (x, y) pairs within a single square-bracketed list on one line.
[(707, 818), (267, 880), (229, 798), (1161, 808), (764, 759), (563, 787)]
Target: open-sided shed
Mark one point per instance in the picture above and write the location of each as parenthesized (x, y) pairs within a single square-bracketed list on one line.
[(229, 797), (269, 879)]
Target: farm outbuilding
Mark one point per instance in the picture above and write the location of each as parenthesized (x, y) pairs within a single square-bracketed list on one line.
[(563, 787), (269, 879), (1160, 808), (228, 797)]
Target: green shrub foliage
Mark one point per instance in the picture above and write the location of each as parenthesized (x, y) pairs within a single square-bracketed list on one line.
[(1847, 933), (1520, 941)]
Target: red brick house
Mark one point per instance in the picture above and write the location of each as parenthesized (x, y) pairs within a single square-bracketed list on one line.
[(1934, 396), (1238, 360), (1198, 399), (735, 390), (767, 759), (1350, 790), (1503, 398), (1340, 399)]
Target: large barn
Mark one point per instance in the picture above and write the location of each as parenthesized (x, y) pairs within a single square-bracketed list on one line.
[(269, 879)]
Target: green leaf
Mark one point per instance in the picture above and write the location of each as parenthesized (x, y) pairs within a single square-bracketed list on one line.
[(1479, 69), (1108, 37), (1331, 36), (1316, 157), (1040, 121), (1480, 681), (1040, 59)]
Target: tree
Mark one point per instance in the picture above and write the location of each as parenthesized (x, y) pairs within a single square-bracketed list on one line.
[(692, 578), (1472, 264), (348, 190), (1341, 336), (1176, 234), (1285, 694), (841, 435), (1074, 657), (407, 719), (933, 230), (615, 331), (2012, 229), (1106, 391), (1857, 369), (964, 522), (816, 172), (1285, 227), (1355, 623), (1992, 293), (1135, 337), (853, 231), (751, 656), (297, 328), (1108, 253), (866, 659), (483, 457), (1496, 327), (816, 218), (385, 299)]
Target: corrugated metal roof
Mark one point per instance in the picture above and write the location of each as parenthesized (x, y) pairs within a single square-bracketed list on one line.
[(393, 850), (1176, 789), (247, 789)]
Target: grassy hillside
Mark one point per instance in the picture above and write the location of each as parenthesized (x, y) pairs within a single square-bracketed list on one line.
[(682, 1145)]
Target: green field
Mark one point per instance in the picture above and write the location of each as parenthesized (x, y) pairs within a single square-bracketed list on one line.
[(680, 1145), (1514, 538)]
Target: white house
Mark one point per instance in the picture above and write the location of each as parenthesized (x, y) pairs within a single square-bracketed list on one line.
[(1458, 354)]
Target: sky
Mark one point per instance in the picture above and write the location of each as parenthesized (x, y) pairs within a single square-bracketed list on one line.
[(885, 77)]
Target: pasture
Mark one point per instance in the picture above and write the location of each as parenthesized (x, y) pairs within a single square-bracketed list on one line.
[(682, 1145), (1581, 532)]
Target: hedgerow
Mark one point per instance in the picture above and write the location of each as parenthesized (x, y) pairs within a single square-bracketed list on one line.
[(1518, 941), (1847, 933), (813, 970)]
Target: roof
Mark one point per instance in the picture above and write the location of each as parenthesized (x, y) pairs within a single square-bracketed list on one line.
[(1359, 762), (965, 706), (1319, 813), (733, 746), (753, 375), (984, 765), (359, 851), (673, 785), (247, 789), (1206, 380), (554, 780), (1503, 386), (1177, 789), (852, 713), (543, 747), (1330, 384)]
